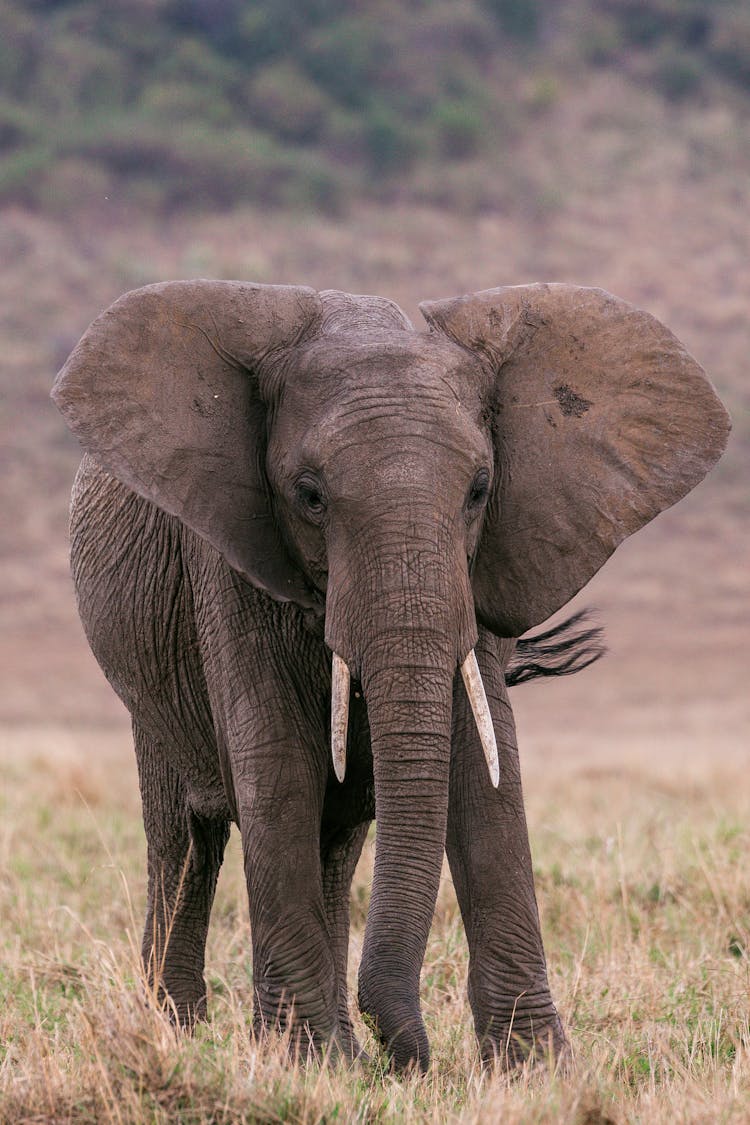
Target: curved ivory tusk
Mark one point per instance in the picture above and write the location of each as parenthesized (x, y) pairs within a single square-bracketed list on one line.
[(482, 716), (340, 679)]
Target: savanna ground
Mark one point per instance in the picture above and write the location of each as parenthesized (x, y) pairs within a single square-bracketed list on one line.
[(635, 771)]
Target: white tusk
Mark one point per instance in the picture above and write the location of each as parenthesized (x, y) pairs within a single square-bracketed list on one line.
[(482, 716), (339, 714)]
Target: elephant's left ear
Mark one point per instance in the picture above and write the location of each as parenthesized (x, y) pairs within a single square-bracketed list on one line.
[(601, 420), (163, 390)]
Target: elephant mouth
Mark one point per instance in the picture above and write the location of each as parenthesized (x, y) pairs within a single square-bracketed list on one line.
[(472, 678)]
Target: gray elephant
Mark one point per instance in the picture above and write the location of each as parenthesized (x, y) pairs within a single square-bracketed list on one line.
[(296, 521)]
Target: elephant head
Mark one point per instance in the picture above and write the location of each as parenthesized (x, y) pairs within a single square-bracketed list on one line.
[(403, 486)]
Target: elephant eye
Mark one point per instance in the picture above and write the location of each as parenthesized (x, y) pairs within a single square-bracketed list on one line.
[(310, 496), (478, 492)]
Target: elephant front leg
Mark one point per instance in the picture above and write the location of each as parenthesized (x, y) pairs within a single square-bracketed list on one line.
[(488, 851), (295, 984), (184, 856)]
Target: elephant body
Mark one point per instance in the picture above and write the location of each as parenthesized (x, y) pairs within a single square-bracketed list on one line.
[(274, 476), (199, 658)]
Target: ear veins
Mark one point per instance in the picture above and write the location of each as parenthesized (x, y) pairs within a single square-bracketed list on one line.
[(451, 389), (222, 352)]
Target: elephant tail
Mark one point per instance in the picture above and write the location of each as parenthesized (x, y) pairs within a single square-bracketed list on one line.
[(560, 651)]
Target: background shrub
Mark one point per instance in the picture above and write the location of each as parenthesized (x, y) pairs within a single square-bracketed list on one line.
[(273, 100)]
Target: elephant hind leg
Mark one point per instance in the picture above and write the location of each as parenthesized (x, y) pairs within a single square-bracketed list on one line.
[(338, 857), (185, 853)]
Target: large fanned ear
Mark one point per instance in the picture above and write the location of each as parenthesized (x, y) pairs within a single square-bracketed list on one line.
[(163, 391), (602, 419)]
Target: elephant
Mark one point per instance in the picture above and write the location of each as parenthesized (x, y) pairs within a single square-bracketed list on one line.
[(305, 540)]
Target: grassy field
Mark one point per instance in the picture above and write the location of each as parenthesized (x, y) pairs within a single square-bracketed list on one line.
[(643, 889)]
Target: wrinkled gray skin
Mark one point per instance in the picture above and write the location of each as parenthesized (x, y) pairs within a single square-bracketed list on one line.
[(274, 474)]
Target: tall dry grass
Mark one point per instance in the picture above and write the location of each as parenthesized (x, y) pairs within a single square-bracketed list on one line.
[(644, 896)]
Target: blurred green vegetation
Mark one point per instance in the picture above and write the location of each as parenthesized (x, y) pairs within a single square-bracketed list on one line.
[(217, 102)]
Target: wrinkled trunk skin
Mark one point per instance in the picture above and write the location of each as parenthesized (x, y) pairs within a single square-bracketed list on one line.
[(410, 728), (402, 619)]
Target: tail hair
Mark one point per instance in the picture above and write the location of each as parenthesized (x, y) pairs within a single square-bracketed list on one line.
[(560, 651)]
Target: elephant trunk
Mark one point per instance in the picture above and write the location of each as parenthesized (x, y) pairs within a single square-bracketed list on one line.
[(400, 615), (409, 709)]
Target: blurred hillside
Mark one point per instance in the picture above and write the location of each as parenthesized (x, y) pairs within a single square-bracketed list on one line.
[(219, 102)]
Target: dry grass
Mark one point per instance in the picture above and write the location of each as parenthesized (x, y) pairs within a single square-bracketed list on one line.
[(645, 901)]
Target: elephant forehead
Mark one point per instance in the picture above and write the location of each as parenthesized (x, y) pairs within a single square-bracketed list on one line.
[(383, 379), (394, 407), (405, 393), (400, 363)]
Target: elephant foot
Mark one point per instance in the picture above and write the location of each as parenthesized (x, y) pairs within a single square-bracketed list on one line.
[(349, 1045), (513, 1046), (401, 1034), (187, 1016), (306, 1042), (300, 1042), (183, 1006)]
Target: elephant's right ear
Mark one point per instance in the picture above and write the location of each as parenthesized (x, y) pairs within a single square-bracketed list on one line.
[(601, 419), (162, 390)]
